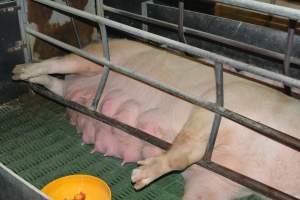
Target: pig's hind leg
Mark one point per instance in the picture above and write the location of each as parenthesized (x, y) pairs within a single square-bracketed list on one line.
[(187, 148)]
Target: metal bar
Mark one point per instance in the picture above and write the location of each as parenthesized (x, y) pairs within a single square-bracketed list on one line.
[(75, 28), (198, 33), (175, 45), (239, 178), (23, 22), (267, 131), (270, 17), (180, 21), (217, 117), (13, 187), (246, 181), (267, 8), (144, 11), (105, 48), (290, 41)]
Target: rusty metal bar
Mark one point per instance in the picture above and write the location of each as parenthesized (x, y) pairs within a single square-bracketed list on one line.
[(267, 131), (174, 44), (237, 177), (217, 117), (290, 41), (198, 33), (105, 48)]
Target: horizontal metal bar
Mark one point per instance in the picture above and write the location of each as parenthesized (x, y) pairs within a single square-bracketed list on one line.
[(198, 33), (267, 8), (175, 45), (246, 181), (239, 178), (99, 116), (269, 132)]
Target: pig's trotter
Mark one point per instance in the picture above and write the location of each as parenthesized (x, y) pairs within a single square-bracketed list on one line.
[(149, 170), (26, 71), (30, 70)]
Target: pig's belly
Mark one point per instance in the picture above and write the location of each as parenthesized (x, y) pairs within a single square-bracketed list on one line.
[(133, 103)]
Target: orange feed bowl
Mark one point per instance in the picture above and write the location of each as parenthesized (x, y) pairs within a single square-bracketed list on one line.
[(78, 187)]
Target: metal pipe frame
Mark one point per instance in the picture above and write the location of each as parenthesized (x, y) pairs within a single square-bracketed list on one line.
[(269, 132), (104, 39), (174, 44), (198, 33), (267, 8), (217, 108)]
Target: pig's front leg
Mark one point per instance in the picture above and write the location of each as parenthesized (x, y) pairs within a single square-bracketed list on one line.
[(188, 147), (69, 64)]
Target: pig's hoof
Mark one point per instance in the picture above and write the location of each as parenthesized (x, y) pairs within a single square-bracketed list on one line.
[(26, 71), (149, 170)]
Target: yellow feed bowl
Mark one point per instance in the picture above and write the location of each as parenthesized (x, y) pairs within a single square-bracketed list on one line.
[(78, 187)]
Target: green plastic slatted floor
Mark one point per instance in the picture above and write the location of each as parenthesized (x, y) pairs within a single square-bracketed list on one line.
[(37, 142)]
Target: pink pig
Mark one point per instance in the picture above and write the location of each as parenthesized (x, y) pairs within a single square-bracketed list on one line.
[(176, 121)]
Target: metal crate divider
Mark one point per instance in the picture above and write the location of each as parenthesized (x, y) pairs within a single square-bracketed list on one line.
[(217, 108)]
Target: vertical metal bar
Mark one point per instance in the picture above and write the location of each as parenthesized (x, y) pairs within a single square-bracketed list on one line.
[(105, 48), (145, 13), (287, 58), (23, 22), (268, 22), (180, 21), (75, 28), (217, 118)]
